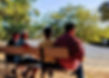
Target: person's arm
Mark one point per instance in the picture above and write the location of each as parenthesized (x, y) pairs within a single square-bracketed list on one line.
[(79, 51)]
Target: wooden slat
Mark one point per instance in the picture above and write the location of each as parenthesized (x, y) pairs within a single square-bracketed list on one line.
[(48, 52), (56, 52), (19, 50)]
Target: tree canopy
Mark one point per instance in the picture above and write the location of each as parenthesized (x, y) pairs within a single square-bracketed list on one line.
[(86, 22), (15, 15), (104, 9)]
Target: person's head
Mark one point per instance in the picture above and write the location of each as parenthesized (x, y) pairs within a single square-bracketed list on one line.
[(47, 32), (70, 28), (16, 36)]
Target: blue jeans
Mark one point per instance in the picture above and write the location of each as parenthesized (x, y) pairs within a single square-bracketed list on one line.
[(79, 72)]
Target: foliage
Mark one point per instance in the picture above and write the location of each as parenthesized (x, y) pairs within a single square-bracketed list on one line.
[(86, 22), (104, 9), (15, 15)]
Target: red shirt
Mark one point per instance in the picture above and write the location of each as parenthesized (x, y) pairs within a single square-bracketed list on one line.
[(75, 51)]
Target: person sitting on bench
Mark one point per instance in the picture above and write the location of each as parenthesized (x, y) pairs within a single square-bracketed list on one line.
[(69, 40), (48, 62), (10, 58), (48, 42), (28, 59)]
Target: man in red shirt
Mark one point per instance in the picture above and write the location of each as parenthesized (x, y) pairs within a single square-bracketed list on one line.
[(69, 40)]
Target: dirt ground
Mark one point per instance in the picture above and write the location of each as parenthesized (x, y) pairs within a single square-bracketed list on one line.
[(96, 65), (90, 71)]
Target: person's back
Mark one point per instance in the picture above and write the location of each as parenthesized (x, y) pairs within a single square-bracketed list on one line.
[(47, 43), (75, 49), (75, 52)]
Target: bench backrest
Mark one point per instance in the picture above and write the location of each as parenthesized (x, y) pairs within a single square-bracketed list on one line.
[(56, 52), (52, 52)]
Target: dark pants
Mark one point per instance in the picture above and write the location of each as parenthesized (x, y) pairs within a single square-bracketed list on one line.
[(13, 59), (79, 72)]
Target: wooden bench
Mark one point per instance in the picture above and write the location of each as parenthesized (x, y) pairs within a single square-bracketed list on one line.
[(56, 52)]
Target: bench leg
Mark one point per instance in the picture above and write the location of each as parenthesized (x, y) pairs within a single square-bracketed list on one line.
[(34, 71), (10, 72), (30, 69), (50, 73), (43, 73)]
